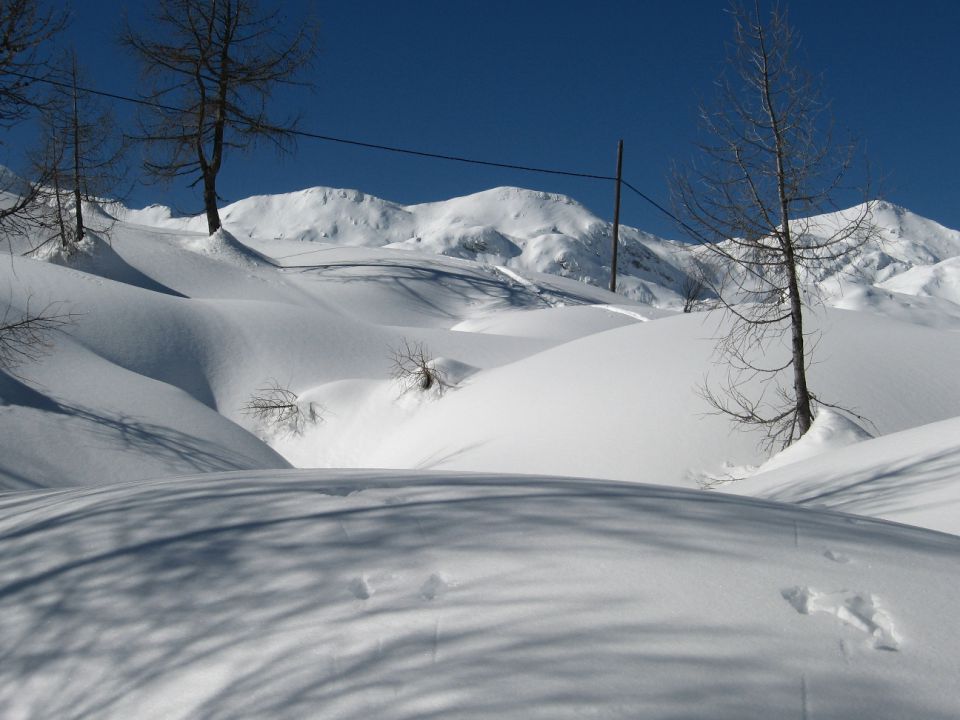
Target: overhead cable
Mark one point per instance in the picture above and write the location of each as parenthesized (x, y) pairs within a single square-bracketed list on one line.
[(379, 146)]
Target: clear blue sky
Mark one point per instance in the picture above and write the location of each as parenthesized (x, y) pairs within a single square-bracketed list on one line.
[(556, 83)]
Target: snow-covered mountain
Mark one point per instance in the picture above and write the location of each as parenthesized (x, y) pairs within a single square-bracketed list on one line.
[(526, 538), (531, 231), (524, 230)]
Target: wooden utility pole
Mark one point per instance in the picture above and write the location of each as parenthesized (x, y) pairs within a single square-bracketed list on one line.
[(616, 220)]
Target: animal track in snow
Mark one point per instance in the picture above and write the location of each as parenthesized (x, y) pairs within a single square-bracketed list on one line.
[(837, 557), (434, 587), (859, 610), (360, 588)]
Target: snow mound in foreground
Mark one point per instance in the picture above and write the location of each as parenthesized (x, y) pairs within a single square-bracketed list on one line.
[(400, 595)]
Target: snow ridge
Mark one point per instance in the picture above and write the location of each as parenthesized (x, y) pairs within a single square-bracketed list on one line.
[(530, 231)]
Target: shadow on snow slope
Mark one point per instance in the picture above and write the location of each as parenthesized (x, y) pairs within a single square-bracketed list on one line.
[(105, 433), (355, 595)]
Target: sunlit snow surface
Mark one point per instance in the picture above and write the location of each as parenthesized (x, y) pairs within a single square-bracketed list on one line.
[(335, 594), (247, 589)]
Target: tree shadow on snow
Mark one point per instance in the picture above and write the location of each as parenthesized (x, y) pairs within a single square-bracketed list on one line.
[(415, 281), (176, 452), (911, 485), (287, 597), (15, 392), (105, 262)]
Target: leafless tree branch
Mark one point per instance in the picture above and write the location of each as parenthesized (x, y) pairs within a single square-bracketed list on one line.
[(25, 336)]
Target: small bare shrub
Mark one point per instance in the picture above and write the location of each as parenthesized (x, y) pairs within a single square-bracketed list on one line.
[(278, 406), (692, 290), (413, 368)]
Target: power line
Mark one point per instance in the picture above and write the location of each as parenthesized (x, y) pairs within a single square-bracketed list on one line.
[(666, 212), (93, 91), (385, 148), (455, 158), (328, 138)]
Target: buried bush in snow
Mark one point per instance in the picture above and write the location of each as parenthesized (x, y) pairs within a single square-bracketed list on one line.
[(413, 367), (277, 406)]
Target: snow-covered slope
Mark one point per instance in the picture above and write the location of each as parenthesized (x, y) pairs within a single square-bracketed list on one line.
[(552, 375), (525, 591), (904, 241), (633, 391), (939, 280), (415, 595), (172, 333), (909, 476)]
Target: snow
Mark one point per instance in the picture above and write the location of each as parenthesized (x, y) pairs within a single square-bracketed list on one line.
[(512, 228), (831, 430), (908, 476), (632, 391), (531, 538), (410, 594), (941, 280)]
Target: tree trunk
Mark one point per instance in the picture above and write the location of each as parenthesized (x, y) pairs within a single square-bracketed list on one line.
[(61, 226), (210, 202), (801, 393), (800, 390)]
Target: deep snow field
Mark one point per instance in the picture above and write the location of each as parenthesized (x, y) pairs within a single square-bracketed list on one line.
[(561, 530)]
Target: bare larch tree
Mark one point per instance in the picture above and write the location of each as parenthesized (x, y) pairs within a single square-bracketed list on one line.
[(82, 158), (769, 161), (26, 30), (211, 68)]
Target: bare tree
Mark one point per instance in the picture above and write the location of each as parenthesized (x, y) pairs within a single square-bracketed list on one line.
[(696, 285), (769, 162), (212, 66), (50, 211), (82, 161), (26, 29)]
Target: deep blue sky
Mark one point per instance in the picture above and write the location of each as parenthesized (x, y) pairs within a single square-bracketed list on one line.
[(556, 83)]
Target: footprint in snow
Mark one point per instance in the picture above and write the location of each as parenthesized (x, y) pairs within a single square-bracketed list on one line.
[(837, 557), (859, 610), (434, 587), (360, 588)]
